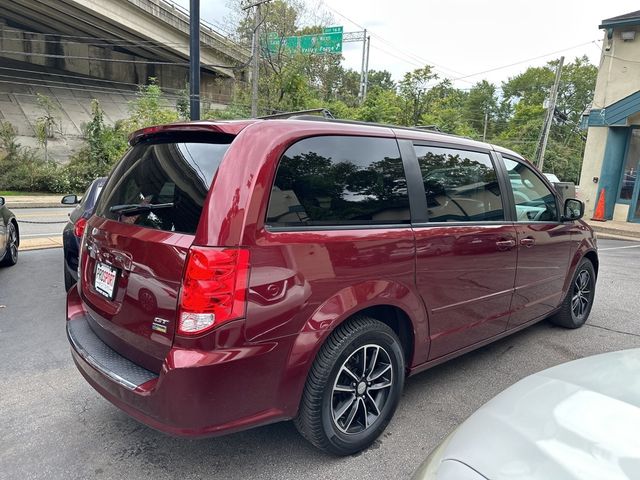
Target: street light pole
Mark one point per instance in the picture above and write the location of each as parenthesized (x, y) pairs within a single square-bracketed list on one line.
[(194, 60)]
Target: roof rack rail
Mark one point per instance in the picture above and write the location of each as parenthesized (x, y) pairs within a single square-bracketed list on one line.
[(432, 128), (421, 128), (328, 117), (324, 111)]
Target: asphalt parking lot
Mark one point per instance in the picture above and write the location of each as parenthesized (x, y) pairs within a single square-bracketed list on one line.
[(53, 425)]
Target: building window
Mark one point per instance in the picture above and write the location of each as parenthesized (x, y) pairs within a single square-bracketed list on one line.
[(630, 170)]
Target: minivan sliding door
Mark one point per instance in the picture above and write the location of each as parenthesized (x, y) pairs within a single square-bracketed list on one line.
[(466, 255)]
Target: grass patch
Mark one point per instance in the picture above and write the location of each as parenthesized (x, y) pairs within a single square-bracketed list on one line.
[(13, 193)]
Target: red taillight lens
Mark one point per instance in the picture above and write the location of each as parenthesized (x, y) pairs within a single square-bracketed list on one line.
[(79, 226), (214, 288)]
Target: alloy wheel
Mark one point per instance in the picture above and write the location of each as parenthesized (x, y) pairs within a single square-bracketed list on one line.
[(12, 246), (361, 389), (581, 297)]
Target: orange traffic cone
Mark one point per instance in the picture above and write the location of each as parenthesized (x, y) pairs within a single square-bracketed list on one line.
[(599, 213)]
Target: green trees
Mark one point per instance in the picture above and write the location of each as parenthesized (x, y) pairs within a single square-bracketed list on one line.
[(28, 169), (523, 110), (512, 112)]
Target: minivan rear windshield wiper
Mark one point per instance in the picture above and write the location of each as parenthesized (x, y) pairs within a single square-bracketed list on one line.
[(136, 208)]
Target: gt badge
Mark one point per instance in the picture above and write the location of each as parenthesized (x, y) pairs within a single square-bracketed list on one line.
[(159, 325)]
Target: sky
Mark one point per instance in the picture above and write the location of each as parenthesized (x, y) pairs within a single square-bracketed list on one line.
[(461, 38)]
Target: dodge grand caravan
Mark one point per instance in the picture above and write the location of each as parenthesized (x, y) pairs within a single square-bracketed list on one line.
[(236, 274)]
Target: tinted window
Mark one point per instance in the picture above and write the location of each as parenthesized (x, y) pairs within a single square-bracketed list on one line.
[(533, 199), (177, 172), (461, 186), (340, 181)]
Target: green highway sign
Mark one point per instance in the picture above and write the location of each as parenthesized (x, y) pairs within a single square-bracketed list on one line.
[(329, 41)]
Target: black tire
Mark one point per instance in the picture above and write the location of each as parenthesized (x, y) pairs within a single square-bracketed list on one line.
[(576, 306), (10, 257), (358, 342), (69, 281)]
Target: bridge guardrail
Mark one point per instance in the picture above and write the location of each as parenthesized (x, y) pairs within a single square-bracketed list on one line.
[(178, 17)]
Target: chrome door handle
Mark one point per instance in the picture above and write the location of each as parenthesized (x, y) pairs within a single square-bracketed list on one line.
[(505, 244), (527, 242)]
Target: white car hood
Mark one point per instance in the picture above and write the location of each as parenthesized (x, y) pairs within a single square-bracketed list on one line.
[(579, 420)]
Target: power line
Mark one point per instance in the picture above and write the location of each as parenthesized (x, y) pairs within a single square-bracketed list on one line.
[(77, 57), (116, 60), (103, 90), (115, 39), (420, 60), (112, 41), (78, 77), (522, 61), (141, 44), (410, 62)]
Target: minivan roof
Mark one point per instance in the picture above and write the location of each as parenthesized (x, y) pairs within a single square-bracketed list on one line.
[(234, 127)]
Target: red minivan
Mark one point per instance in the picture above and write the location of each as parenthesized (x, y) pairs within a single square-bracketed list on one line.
[(241, 273)]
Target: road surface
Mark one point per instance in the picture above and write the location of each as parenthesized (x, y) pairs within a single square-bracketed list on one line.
[(55, 426)]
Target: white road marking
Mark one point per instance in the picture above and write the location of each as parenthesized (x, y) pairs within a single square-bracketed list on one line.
[(619, 248), (55, 234), (43, 215)]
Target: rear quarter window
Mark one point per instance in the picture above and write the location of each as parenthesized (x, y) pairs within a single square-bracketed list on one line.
[(176, 171), (339, 180)]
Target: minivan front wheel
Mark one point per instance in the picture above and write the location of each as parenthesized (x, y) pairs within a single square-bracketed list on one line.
[(353, 387), (576, 306)]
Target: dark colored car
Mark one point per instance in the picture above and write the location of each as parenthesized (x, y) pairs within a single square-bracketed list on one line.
[(9, 236), (73, 230), (241, 273)]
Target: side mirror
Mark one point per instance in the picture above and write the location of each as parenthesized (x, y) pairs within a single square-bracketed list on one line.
[(2, 201), (70, 200), (573, 209)]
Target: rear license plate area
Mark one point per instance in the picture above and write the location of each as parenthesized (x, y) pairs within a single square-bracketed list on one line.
[(105, 280)]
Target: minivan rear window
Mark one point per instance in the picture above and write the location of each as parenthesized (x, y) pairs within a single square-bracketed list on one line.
[(167, 179)]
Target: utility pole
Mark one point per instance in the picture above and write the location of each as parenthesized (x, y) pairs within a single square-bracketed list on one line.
[(546, 126), (366, 71), (194, 60), (486, 121), (364, 59), (255, 52)]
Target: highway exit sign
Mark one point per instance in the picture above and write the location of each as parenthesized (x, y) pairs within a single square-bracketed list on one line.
[(329, 41)]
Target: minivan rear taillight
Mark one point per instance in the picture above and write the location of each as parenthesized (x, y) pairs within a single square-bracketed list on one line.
[(214, 288)]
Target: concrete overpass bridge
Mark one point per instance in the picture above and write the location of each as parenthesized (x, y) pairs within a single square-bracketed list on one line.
[(147, 29), (75, 50)]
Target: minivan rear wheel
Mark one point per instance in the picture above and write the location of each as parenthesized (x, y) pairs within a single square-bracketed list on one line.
[(353, 387), (576, 306)]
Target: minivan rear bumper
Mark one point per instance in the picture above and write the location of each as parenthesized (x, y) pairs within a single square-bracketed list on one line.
[(197, 393)]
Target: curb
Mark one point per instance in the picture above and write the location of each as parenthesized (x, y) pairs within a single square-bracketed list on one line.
[(602, 230), (18, 205), (614, 236), (40, 243)]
